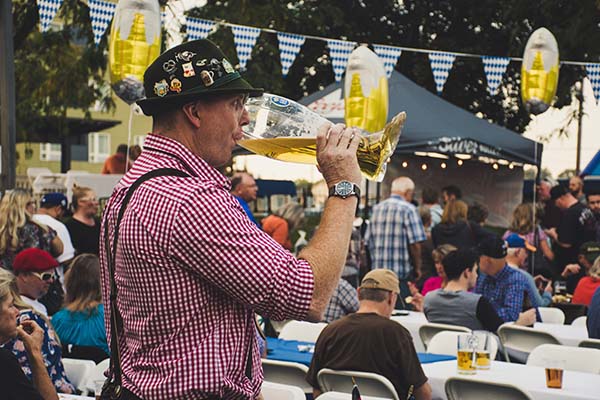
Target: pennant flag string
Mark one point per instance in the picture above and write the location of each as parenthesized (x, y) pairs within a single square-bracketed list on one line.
[(441, 64), (494, 68), (593, 73), (199, 28), (289, 47), (339, 51), (47, 10), (101, 13), (244, 38), (389, 55)]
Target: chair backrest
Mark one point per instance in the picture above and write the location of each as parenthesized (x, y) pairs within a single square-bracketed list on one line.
[(468, 389), (285, 372), (551, 315), (590, 343), (33, 172), (345, 396), (78, 372), (520, 340), (302, 331), (278, 391), (445, 342), (576, 358), (97, 374), (369, 384), (428, 331), (580, 321)]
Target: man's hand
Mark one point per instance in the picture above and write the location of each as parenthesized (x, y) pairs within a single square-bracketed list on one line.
[(552, 233), (570, 269), (32, 336), (336, 153), (526, 318)]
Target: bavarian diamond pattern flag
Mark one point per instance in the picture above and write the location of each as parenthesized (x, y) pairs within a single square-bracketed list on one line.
[(101, 13), (593, 73), (289, 47), (441, 64), (494, 68), (389, 55), (339, 51), (199, 28), (244, 38), (47, 10)]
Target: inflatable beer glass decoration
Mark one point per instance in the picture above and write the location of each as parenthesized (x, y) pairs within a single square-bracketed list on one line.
[(285, 130)]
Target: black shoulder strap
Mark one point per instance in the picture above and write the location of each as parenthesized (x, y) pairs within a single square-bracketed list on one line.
[(116, 322)]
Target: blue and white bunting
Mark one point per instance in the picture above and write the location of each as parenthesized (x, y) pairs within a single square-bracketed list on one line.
[(593, 73), (244, 38), (101, 13), (441, 64), (389, 55), (199, 28), (47, 10), (339, 51), (494, 68), (289, 47)]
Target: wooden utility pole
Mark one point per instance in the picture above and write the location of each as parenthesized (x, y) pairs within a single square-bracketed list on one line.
[(579, 96), (7, 98)]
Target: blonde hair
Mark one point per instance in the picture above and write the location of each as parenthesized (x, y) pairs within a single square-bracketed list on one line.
[(455, 211), (8, 284), (442, 251), (79, 192), (292, 212), (82, 283), (14, 215), (522, 219), (594, 272)]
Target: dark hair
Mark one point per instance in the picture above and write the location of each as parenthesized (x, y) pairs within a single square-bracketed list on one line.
[(477, 213), (430, 196), (592, 192), (377, 295), (458, 261), (122, 148), (452, 190)]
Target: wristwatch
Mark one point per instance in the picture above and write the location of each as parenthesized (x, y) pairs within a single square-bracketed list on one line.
[(344, 189)]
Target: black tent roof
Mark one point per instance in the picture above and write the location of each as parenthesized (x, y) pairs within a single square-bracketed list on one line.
[(435, 125)]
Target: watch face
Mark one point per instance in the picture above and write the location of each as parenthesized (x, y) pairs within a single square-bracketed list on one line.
[(344, 188)]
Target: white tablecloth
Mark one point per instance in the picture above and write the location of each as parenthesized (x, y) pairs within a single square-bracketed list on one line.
[(63, 396), (412, 322), (576, 385), (568, 335)]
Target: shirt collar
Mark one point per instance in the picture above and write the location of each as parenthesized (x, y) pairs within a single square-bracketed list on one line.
[(398, 197), (168, 147)]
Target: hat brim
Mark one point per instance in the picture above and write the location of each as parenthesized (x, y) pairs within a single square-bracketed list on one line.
[(156, 105)]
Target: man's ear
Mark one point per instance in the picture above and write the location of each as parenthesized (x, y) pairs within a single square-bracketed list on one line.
[(192, 113)]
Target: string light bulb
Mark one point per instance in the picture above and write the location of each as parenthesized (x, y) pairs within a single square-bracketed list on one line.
[(460, 162), (424, 167), (443, 165), (404, 164), (511, 166), (495, 166)]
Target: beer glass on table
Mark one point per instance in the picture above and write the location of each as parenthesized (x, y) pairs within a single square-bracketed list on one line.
[(483, 349), (554, 372), (466, 354)]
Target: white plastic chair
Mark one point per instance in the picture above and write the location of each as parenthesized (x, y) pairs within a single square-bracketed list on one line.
[(551, 315), (580, 321), (278, 391), (369, 384), (285, 372), (467, 389), (590, 343), (97, 374), (302, 331), (520, 341), (576, 358), (78, 372), (345, 396), (429, 330), (445, 342)]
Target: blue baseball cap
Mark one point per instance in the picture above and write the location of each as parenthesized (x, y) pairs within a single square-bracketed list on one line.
[(54, 199), (517, 242)]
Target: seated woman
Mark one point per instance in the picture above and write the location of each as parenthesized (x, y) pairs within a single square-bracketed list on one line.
[(14, 383), (439, 281), (81, 322), (282, 222), (587, 285), (50, 347)]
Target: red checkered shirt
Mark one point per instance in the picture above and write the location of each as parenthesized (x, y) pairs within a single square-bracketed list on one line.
[(191, 269)]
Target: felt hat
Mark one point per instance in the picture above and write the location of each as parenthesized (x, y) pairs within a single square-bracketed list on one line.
[(383, 279), (34, 260)]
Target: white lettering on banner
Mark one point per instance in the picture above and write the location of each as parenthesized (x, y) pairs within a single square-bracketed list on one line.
[(457, 145)]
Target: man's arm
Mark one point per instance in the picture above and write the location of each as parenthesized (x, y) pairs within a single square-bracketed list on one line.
[(33, 345), (415, 253), (423, 392), (326, 252)]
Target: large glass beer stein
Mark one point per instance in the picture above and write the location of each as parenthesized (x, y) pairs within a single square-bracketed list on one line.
[(285, 130)]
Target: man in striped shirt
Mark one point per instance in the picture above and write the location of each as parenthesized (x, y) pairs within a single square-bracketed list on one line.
[(191, 269)]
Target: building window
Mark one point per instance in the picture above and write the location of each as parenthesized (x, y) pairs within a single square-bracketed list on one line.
[(98, 147), (139, 140), (49, 152)]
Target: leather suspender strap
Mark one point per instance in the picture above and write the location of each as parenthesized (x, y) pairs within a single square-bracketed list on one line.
[(116, 322)]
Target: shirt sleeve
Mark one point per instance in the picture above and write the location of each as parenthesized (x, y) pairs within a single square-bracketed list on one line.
[(512, 304), (487, 315), (316, 362), (13, 380), (414, 227), (349, 297), (411, 370), (567, 230), (212, 237)]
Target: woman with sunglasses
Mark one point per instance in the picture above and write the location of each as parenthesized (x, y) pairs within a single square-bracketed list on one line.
[(18, 231), (84, 225), (34, 270)]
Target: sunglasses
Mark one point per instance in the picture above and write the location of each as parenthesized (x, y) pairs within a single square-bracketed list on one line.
[(45, 276)]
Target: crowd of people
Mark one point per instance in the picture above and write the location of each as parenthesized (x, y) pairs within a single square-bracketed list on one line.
[(170, 282)]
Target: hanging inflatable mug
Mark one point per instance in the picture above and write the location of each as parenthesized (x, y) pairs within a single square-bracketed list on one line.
[(539, 71), (365, 91), (134, 44)]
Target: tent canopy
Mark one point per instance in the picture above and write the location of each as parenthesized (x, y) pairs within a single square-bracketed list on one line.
[(435, 125), (593, 167)]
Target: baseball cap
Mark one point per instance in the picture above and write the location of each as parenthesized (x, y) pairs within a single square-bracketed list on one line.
[(54, 199), (558, 191), (34, 260), (590, 250), (383, 279), (515, 241), (493, 246)]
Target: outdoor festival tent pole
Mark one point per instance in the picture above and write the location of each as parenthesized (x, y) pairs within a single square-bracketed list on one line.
[(7, 98)]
